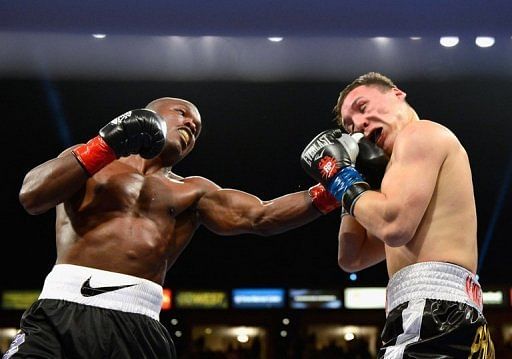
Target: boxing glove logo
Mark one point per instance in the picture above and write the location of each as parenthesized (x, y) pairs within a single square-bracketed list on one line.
[(328, 167), (316, 148)]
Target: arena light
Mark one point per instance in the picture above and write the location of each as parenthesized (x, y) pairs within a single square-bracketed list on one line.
[(382, 40), (167, 300), (275, 39), (258, 298), (493, 297), (365, 298), (18, 299), (449, 41), (349, 336), (99, 36), (204, 299), (242, 338), (314, 298), (484, 41)]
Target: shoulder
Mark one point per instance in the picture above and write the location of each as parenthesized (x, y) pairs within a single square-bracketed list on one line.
[(425, 138), (201, 182), (423, 128)]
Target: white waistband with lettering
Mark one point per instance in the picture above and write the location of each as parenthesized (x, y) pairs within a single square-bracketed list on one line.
[(433, 280), (104, 289)]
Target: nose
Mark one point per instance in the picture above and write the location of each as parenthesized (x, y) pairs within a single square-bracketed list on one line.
[(190, 124), (360, 123)]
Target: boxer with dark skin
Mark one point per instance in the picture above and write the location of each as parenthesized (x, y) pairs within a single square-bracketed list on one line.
[(123, 213)]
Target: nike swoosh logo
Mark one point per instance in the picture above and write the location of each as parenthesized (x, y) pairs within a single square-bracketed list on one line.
[(88, 291)]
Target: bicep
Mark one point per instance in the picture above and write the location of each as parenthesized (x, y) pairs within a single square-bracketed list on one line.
[(411, 179)]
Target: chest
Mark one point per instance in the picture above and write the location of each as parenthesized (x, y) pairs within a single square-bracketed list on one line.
[(140, 194)]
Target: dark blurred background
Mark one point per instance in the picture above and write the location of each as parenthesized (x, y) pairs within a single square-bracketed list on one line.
[(265, 76), (253, 135), (261, 102)]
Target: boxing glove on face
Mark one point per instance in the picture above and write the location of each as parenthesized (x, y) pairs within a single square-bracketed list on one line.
[(140, 131), (372, 161), (329, 158)]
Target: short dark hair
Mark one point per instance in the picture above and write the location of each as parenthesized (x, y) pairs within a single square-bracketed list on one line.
[(370, 78)]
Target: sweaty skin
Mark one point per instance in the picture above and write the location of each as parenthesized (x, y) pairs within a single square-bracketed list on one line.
[(136, 216), (425, 208)]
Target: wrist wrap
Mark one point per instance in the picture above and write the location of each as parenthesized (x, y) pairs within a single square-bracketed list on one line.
[(322, 199), (347, 186), (94, 155)]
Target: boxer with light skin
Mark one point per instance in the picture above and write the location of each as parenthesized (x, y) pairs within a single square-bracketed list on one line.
[(421, 219), (123, 216)]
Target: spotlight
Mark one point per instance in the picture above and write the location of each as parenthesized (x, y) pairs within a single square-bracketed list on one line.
[(484, 41), (449, 41)]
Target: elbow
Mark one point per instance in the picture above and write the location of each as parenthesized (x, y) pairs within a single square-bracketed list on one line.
[(262, 230), (265, 226), (345, 266), (396, 235), (349, 266), (28, 202)]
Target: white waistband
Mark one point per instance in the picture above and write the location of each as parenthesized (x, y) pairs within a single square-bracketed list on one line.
[(104, 289), (433, 280)]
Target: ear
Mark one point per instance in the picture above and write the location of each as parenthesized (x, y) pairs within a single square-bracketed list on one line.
[(399, 93)]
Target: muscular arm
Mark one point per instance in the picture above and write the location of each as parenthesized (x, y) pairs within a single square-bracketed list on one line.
[(395, 213), (231, 212), (51, 183), (357, 250)]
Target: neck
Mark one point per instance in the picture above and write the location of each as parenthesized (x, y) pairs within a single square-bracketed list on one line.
[(412, 115), (142, 165)]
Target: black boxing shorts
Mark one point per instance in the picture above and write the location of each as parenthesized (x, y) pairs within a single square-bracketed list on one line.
[(434, 310), (89, 313)]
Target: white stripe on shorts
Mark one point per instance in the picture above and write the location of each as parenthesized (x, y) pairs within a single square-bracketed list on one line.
[(411, 325)]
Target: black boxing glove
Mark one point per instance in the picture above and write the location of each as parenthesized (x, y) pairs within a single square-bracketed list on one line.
[(330, 158), (140, 131), (371, 160)]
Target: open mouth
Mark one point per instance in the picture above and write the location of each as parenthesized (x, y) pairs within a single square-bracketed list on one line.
[(375, 135)]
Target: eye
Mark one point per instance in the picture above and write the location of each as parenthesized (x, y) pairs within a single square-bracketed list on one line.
[(180, 111), (362, 107), (348, 125)]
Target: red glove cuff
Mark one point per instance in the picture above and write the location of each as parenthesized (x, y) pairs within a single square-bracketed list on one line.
[(322, 199), (94, 155)]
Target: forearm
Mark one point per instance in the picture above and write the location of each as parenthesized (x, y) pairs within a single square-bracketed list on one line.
[(356, 249), (389, 221), (286, 212), (51, 183), (231, 212)]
